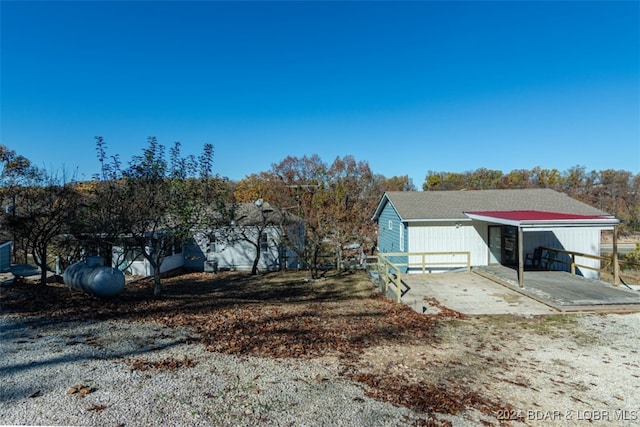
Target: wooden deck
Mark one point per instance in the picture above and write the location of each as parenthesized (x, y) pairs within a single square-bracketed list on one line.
[(565, 292)]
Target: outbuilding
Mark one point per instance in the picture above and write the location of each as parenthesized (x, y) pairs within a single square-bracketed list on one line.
[(492, 227)]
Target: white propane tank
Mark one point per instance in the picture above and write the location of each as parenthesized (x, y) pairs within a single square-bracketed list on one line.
[(94, 278)]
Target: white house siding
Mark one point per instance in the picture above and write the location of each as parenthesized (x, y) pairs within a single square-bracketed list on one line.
[(240, 255), (5, 256), (469, 236), (141, 266), (473, 237), (577, 239)]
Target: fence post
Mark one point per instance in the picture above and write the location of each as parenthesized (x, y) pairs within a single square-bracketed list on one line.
[(573, 264), (614, 255), (386, 277)]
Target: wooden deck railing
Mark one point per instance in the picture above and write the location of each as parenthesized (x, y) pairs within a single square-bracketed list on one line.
[(605, 262), (573, 255), (426, 264), (391, 272)]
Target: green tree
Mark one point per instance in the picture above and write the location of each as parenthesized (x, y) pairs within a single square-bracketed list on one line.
[(516, 179), (546, 178), (432, 181), (485, 179)]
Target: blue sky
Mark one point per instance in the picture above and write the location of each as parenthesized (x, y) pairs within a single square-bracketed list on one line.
[(409, 87)]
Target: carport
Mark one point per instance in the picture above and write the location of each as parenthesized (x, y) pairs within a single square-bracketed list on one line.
[(564, 291), (526, 221)]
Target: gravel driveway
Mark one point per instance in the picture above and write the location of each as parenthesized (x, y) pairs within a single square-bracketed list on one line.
[(285, 351)]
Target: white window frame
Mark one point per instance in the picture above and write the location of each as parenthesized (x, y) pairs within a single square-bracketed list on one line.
[(401, 237), (390, 224)]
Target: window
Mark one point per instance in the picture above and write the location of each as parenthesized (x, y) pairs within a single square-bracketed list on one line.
[(133, 254), (263, 242), (177, 247), (390, 225)]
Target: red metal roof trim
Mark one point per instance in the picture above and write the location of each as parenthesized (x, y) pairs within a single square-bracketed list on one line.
[(535, 215)]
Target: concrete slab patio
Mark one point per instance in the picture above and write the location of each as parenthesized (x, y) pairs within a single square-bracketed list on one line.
[(495, 290), (468, 293)]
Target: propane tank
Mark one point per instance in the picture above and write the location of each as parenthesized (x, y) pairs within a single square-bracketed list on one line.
[(94, 278)]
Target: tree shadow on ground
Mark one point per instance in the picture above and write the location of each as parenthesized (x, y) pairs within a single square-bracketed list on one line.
[(275, 315), (282, 314)]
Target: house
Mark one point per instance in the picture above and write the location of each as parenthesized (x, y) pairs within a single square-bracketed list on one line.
[(5, 256), (134, 263), (230, 247), (492, 226)]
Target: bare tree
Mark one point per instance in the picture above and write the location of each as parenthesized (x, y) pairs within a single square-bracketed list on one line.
[(16, 173), (249, 224), (45, 214), (155, 204)]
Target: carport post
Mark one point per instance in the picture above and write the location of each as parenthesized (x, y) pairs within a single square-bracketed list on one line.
[(520, 258), (614, 255)]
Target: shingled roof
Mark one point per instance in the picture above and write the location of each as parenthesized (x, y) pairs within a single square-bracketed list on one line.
[(250, 214), (451, 205)]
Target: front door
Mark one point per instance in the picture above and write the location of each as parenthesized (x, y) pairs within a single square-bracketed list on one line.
[(503, 245)]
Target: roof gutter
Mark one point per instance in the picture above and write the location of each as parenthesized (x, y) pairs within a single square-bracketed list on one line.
[(564, 223)]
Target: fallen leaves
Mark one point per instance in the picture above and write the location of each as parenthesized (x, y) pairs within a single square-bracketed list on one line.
[(80, 389), (425, 397), (445, 312), (279, 315), (168, 364), (314, 330)]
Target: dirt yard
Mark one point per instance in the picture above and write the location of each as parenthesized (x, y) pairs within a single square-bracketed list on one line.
[(453, 369)]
